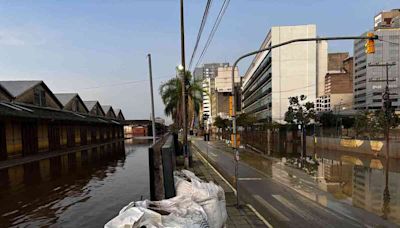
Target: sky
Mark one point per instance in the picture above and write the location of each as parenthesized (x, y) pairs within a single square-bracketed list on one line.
[(99, 48)]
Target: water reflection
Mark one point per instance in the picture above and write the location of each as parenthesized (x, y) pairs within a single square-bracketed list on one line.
[(363, 181), (367, 182), (70, 190)]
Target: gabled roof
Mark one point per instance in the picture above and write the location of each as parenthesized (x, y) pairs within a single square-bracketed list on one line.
[(118, 113), (17, 88), (91, 104), (65, 98), (108, 108), (10, 109), (4, 91)]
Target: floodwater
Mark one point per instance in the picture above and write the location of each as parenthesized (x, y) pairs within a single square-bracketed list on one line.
[(83, 189), (368, 182)]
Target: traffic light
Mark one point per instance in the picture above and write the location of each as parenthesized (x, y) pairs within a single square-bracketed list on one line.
[(370, 44)]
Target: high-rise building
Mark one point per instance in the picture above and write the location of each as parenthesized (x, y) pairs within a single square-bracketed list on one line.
[(291, 70), (338, 94), (368, 94), (206, 74), (220, 103)]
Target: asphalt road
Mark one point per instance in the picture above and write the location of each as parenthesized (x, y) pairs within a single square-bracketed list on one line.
[(283, 202)]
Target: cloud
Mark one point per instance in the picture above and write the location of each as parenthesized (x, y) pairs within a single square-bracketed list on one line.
[(21, 37), (9, 40)]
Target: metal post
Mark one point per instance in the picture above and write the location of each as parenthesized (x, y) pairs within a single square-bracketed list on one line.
[(386, 98), (268, 49), (184, 90), (152, 100)]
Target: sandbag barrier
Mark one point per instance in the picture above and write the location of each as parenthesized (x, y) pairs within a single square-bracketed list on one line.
[(197, 204)]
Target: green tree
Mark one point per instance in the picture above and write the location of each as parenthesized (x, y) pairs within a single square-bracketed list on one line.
[(361, 123), (245, 120), (221, 123), (381, 121), (171, 95), (299, 111)]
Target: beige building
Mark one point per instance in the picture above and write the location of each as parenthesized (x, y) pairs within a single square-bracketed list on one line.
[(291, 70), (338, 88), (223, 81)]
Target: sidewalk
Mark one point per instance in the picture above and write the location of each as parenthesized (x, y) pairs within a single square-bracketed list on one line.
[(245, 216)]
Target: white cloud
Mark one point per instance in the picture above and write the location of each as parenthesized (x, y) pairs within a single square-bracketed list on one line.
[(21, 36)]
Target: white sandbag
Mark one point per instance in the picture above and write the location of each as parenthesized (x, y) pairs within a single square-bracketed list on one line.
[(128, 219), (208, 195)]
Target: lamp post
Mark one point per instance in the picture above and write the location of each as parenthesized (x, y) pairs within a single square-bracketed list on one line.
[(181, 71)]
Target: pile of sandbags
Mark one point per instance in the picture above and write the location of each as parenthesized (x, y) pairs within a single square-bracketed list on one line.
[(198, 204)]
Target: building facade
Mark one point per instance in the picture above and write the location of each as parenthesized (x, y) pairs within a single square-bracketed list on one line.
[(34, 121), (292, 70), (367, 94), (338, 88), (207, 74)]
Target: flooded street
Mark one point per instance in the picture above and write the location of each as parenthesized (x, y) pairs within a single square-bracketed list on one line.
[(342, 181), (83, 189), (366, 182)]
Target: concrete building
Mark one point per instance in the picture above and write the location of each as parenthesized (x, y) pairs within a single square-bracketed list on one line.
[(208, 70), (367, 94), (384, 19), (207, 74), (220, 98), (338, 88), (292, 70)]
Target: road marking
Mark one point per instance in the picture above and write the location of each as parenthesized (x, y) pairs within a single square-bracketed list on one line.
[(234, 190), (249, 178), (293, 207), (212, 167), (259, 216), (212, 154), (272, 209)]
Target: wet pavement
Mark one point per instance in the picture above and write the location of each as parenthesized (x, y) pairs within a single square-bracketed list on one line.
[(325, 193), (82, 189)]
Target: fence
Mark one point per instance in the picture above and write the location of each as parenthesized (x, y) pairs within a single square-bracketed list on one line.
[(286, 141)]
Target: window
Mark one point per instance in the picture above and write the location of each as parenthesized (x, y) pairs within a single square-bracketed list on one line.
[(39, 97)]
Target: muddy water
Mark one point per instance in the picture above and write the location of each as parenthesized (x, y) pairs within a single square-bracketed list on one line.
[(83, 189)]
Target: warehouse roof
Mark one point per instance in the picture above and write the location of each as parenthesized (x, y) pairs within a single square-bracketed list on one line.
[(9, 109)]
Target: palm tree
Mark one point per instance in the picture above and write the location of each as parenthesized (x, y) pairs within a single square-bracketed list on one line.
[(171, 95)]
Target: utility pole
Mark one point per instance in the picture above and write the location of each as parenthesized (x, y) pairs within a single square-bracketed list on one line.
[(387, 103), (370, 37), (184, 89), (153, 120)]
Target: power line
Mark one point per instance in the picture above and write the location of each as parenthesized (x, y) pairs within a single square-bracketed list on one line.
[(202, 24), (214, 29)]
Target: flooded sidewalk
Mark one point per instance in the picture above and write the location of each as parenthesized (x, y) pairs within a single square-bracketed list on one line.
[(245, 215)]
